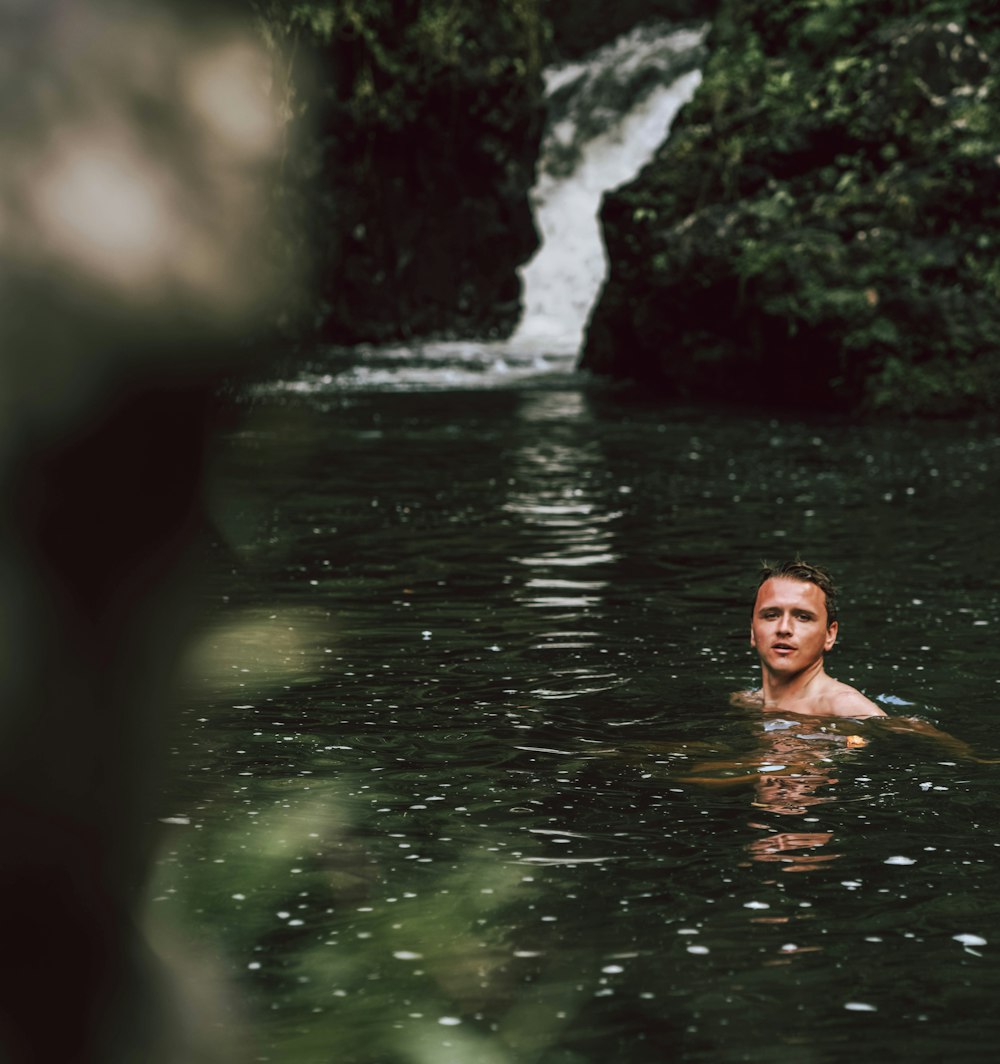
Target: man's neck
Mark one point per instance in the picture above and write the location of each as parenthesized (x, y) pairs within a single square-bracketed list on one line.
[(780, 690)]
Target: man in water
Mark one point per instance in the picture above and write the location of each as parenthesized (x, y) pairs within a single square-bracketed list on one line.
[(792, 627)]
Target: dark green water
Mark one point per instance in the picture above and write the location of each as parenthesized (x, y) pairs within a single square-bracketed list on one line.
[(433, 796)]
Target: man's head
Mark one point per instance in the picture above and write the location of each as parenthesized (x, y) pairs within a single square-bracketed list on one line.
[(803, 571), (793, 623)]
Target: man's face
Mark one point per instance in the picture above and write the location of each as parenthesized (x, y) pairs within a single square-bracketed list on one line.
[(788, 628)]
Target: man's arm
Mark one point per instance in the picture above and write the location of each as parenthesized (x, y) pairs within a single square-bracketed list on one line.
[(955, 747)]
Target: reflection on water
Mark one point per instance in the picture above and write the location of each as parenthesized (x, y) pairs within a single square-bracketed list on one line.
[(464, 783), (261, 647), (568, 524), (785, 847), (790, 772), (558, 490)]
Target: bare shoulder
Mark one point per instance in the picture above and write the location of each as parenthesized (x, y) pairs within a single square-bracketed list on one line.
[(848, 701), (747, 699)]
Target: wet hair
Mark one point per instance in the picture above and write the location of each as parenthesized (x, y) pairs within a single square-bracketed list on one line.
[(810, 574)]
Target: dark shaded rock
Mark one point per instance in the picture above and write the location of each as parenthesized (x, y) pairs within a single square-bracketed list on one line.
[(434, 218), (581, 26), (821, 226), (414, 154)]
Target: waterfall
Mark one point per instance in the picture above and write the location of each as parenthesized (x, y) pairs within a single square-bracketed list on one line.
[(607, 115)]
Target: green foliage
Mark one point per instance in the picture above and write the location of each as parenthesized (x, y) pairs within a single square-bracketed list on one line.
[(413, 133), (838, 166), (942, 386), (829, 24), (384, 55)]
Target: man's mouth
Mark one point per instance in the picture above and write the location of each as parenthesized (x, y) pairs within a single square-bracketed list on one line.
[(783, 647)]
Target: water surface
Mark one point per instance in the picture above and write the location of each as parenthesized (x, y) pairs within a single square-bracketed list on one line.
[(459, 779)]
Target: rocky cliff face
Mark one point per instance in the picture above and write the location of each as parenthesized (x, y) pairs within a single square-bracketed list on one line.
[(821, 227), (413, 152)]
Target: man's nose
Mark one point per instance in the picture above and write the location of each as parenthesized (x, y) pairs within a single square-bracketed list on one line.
[(785, 624)]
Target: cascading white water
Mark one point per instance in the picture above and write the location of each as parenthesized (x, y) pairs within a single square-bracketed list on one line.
[(608, 114)]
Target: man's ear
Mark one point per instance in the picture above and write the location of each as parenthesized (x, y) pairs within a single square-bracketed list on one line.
[(753, 640), (831, 636)]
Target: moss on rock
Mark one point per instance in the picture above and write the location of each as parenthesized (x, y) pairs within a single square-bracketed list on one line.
[(821, 227)]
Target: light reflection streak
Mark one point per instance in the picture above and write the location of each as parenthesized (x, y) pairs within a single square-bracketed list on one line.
[(562, 559), (553, 862), (557, 480), (564, 602), (573, 585), (550, 750), (577, 688)]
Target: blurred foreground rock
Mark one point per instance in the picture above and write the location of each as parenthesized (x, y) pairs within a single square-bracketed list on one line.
[(140, 152)]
